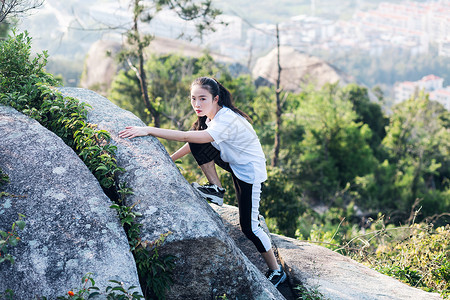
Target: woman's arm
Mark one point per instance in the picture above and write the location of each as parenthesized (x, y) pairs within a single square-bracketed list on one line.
[(200, 137), (181, 152)]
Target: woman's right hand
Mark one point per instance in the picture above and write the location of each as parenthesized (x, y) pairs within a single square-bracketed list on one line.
[(133, 131)]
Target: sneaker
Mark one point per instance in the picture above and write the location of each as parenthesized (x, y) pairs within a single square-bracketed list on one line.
[(210, 192), (277, 276)]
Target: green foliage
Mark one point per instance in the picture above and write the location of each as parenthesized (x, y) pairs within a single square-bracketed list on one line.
[(281, 202), (311, 294), (417, 254), (10, 239), (369, 113), (154, 269), (4, 178), (26, 87), (88, 290), (418, 144), (7, 295), (334, 149), (19, 73)]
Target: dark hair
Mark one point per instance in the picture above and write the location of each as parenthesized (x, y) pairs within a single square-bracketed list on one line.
[(213, 86)]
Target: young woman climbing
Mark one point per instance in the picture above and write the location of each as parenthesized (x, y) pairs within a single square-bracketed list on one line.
[(223, 135)]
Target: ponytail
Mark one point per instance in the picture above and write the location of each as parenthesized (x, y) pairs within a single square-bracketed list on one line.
[(225, 99)]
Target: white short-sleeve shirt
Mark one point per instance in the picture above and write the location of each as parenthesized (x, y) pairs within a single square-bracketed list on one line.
[(239, 145)]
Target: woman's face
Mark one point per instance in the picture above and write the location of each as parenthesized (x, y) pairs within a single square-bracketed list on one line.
[(203, 103)]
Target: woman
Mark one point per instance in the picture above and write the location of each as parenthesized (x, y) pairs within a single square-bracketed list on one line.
[(222, 135)]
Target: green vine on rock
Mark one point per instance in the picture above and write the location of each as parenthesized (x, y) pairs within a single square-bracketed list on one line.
[(10, 239)]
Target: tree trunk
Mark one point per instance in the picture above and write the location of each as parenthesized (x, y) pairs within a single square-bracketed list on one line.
[(141, 72), (276, 146)]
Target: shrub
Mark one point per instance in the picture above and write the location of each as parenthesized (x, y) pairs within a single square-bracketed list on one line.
[(417, 254)]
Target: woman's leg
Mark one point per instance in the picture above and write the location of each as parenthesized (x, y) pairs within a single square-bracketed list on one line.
[(209, 169), (249, 196), (207, 157), (270, 259)]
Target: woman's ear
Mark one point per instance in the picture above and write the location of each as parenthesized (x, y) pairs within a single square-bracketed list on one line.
[(216, 98)]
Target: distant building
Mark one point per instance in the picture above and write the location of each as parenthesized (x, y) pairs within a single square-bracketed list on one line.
[(444, 48), (442, 96), (430, 84), (404, 90)]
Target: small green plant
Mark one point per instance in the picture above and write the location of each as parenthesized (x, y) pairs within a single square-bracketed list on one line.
[(4, 178), (10, 239), (309, 294), (7, 295), (155, 271), (88, 290)]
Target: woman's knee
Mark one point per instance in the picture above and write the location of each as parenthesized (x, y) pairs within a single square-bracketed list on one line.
[(248, 231)]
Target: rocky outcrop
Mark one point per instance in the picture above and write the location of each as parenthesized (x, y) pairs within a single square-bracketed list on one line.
[(70, 229), (100, 66), (298, 70), (209, 264)]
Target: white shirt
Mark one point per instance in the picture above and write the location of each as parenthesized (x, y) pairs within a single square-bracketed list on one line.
[(239, 145)]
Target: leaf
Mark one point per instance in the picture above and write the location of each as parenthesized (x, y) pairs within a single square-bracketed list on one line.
[(102, 167), (94, 294), (118, 288), (20, 224), (13, 242), (115, 281)]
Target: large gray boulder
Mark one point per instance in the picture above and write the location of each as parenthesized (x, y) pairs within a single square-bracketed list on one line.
[(209, 263), (337, 277), (70, 229)]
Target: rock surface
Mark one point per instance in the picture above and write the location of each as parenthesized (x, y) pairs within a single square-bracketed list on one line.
[(209, 263), (100, 66), (298, 70), (70, 229), (337, 277)]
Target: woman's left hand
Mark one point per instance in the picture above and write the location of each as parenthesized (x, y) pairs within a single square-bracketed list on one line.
[(133, 131)]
